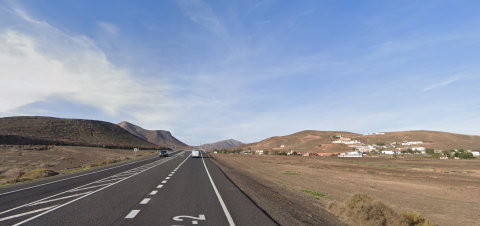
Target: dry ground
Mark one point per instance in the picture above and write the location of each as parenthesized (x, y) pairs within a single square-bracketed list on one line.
[(15, 159), (446, 192)]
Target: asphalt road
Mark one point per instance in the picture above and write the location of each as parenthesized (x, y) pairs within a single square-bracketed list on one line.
[(174, 190)]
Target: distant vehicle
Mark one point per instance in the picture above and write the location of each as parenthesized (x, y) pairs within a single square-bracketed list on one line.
[(163, 153), (195, 154), (215, 152)]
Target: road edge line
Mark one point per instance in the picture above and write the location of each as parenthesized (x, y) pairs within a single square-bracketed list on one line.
[(224, 207)]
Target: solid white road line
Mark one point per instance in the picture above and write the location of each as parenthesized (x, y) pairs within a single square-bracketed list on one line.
[(132, 214), (224, 207), (154, 192), (160, 186), (27, 213), (145, 201), (163, 182)]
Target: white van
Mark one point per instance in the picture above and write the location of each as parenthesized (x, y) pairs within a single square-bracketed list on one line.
[(195, 154)]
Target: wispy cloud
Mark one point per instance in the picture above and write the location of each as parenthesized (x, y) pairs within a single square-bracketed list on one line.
[(438, 85), (108, 27), (47, 63)]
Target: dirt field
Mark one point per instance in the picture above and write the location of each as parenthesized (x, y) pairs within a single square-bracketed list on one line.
[(446, 192), (16, 160)]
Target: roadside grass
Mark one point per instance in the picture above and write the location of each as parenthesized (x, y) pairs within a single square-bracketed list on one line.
[(19, 175), (290, 173), (362, 209), (38, 173), (372, 172), (314, 193)]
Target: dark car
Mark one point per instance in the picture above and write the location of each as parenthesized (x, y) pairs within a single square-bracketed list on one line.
[(163, 153)]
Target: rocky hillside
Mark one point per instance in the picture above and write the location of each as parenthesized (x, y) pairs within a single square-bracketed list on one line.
[(221, 144), (36, 130), (160, 137)]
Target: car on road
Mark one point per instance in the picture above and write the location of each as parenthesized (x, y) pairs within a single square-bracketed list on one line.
[(195, 154), (163, 153)]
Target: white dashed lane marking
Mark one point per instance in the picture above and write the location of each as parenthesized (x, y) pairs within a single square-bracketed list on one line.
[(166, 178), (132, 214), (170, 174), (163, 182), (145, 201), (160, 186), (154, 192)]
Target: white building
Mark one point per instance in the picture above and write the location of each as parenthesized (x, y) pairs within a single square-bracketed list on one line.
[(373, 134), (346, 142), (353, 154), (476, 153), (388, 152), (411, 142), (282, 146), (419, 148)]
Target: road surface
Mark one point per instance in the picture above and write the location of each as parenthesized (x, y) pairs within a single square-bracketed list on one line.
[(174, 190)]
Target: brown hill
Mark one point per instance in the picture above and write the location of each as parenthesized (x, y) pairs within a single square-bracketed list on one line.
[(431, 139), (221, 144), (321, 141), (160, 137), (304, 141), (36, 130)]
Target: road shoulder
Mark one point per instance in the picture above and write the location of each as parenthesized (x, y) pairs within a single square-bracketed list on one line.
[(283, 205)]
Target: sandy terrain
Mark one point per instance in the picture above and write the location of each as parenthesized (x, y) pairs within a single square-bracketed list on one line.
[(16, 159), (446, 192)]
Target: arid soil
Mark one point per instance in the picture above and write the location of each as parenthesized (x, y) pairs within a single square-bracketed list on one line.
[(15, 159), (446, 192)]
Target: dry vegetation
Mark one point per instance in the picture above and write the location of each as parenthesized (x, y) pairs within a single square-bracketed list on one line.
[(24, 163), (443, 191)]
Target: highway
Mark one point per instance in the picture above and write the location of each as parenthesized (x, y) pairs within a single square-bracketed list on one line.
[(174, 190)]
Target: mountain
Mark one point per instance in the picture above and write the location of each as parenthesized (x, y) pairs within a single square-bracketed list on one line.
[(221, 144), (321, 141), (36, 130), (160, 137)]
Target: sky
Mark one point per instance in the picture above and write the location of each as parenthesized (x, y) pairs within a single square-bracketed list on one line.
[(248, 70)]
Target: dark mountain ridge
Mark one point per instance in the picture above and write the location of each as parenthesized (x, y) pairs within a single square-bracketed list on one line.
[(159, 137), (38, 130)]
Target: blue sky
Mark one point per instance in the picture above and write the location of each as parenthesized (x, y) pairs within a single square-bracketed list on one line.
[(248, 70)]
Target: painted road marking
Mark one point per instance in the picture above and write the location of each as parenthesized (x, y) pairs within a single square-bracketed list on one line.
[(166, 178), (58, 197), (145, 201), (132, 214), (224, 207), (73, 177), (27, 213), (170, 174), (160, 186), (153, 192), (163, 182)]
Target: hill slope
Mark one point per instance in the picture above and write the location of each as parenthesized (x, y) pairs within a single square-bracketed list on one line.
[(221, 144), (321, 142), (431, 139), (160, 137), (36, 130)]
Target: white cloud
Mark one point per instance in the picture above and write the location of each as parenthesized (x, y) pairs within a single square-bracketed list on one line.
[(41, 62)]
